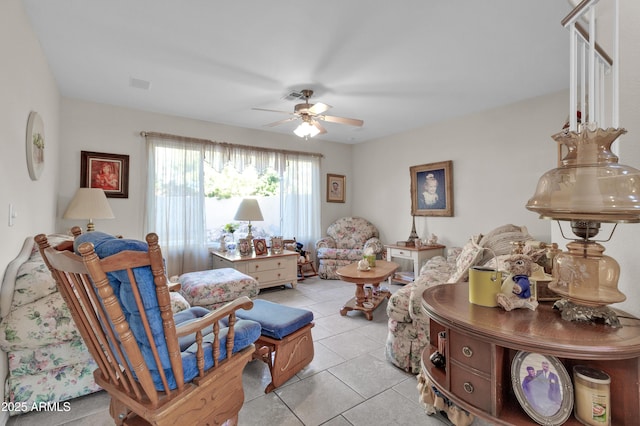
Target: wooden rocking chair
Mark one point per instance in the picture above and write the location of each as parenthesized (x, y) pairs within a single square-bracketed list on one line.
[(158, 368)]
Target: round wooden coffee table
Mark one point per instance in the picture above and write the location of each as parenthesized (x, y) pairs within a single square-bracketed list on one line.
[(374, 276)]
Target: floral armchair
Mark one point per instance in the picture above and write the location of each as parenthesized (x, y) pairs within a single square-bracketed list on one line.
[(346, 240)]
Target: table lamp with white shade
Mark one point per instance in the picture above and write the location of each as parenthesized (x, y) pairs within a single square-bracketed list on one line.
[(89, 203), (249, 210)]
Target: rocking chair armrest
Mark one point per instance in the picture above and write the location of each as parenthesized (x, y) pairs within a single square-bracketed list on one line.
[(213, 317)]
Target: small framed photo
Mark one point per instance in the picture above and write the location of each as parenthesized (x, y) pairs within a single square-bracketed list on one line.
[(336, 188), (432, 189), (109, 172), (244, 246), (277, 245), (260, 246), (543, 387)]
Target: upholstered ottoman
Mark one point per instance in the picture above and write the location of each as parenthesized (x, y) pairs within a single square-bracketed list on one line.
[(285, 343), (215, 287)]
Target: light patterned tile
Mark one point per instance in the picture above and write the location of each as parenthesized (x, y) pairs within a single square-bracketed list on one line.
[(318, 398)]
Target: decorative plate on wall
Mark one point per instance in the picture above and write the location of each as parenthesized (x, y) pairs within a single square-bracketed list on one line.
[(35, 145)]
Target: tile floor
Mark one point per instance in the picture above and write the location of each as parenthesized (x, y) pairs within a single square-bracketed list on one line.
[(349, 382)]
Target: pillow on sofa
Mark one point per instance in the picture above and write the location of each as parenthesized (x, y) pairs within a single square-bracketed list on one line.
[(498, 241), (469, 256)]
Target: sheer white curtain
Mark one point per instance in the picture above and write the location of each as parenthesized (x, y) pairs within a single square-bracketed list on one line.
[(301, 199), (175, 207), (175, 203)]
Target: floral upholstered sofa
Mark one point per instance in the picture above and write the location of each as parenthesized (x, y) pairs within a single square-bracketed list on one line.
[(42, 355), (408, 325), (347, 239)]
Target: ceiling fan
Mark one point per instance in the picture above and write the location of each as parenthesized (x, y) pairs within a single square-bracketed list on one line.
[(311, 115)]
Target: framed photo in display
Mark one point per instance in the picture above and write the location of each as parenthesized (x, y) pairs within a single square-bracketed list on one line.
[(260, 246), (543, 387)]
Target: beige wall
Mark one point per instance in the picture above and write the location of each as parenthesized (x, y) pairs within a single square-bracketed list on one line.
[(497, 155), (88, 126), (26, 84), (624, 245)]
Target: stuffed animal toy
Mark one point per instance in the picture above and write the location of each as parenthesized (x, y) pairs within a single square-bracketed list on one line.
[(516, 288), (297, 247)]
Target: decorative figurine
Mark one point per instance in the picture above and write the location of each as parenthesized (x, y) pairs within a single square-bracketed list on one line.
[(516, 288)]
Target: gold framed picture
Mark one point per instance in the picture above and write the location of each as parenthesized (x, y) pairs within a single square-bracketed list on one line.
[(336, 188), (432, 189)]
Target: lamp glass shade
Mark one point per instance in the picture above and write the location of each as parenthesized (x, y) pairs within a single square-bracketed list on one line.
[(589, 185), (89, 203), (249, 209)]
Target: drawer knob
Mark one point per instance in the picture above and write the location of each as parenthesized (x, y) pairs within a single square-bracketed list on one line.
[(467, 351), (468, 387)]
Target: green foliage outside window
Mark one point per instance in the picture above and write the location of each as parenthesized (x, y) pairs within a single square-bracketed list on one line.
[(229, 183)]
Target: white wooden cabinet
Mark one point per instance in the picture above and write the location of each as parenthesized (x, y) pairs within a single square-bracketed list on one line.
[(417, 255), (269, 270)]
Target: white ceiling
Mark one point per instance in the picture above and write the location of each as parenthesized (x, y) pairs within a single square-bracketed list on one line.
[(397, 65)]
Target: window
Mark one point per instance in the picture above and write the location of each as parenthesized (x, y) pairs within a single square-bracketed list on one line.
[(225, 190), (195, 186)]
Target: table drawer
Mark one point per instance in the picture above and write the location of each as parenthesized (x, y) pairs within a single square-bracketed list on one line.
[(404, 254), (219, 263), (469, 351), (255, 266), (470, 387), (265, 277)]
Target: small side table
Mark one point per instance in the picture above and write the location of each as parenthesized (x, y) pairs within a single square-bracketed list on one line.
[(418, 255), (374, 276)]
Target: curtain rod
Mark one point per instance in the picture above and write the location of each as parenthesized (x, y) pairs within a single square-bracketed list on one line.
[(226, 144)]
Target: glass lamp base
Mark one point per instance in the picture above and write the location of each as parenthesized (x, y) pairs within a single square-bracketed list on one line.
[(573, 312)]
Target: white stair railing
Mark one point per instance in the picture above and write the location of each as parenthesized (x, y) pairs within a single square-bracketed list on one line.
[(593, 74)]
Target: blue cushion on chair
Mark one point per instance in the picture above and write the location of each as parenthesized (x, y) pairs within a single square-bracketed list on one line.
[(277, 320), (246, 332)]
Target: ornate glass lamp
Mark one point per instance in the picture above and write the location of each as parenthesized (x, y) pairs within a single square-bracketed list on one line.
[(589, 188)]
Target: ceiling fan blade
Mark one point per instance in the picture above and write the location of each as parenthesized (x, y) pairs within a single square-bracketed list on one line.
[(277, 123), (319, 127), (341, 120), (272, 110), (319, 108)]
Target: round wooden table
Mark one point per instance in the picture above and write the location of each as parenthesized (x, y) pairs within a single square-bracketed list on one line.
[(374, 276)]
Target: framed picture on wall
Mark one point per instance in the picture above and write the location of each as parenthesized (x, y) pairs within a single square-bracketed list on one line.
[(109, 172), (336, 188), (432, 189)]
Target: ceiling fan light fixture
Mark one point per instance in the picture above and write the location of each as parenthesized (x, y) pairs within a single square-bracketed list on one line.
[(306, 130)]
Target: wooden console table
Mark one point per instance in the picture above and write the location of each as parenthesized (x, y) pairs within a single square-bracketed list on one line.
[(482, 342), (418, 255), (269, 270)]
